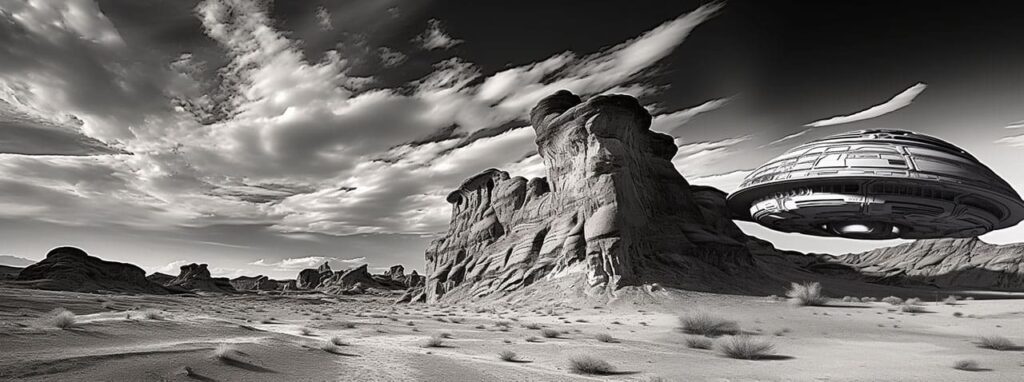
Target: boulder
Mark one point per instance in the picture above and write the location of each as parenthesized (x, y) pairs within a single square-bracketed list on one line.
[(196, 277), (308, 279), (71, 269), (396, 272), (612, 212)]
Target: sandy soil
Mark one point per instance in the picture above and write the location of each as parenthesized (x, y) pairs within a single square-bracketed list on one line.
[(260, 338)]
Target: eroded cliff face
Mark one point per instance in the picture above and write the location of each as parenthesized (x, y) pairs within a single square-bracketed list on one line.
[(613, 212)]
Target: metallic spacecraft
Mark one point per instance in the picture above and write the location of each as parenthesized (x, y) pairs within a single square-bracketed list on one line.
[(878, 184)]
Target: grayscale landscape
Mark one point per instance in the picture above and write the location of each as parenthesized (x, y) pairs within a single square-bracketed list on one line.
[(234, 190)]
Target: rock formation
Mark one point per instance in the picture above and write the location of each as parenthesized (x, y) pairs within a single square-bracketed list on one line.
[(259, 283), (196, 277), (160, 278), (355, 280), (310, 278), (612, 211), (960, 263), (71, 269)]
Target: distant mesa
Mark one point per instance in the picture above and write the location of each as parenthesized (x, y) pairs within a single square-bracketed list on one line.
[(944, 263), (261, 283), (71, 269), (196, 278), (878, 184)]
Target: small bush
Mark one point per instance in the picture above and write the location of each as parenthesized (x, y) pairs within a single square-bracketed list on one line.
[(445, 335), (806, 294), (532, 339), (532, 326), (226, 353), (951, 300), (909, 308), (699, 342), (996, 343), (64, 319), (306, 331), (153, 314), (583, 364), (433, 342), (912, 301), (958, 314), (893, 300), (338, 341), (508, 356), (746, 347), (550, 333), (868, 299), (967, 365), (705, 324), (603, 337), (348, 324)]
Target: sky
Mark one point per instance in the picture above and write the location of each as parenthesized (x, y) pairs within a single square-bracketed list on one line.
[(265, 137)]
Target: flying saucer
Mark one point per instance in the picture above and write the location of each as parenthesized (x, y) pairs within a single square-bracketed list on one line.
[(878, 184)]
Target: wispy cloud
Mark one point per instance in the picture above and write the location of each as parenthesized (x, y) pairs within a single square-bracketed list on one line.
[(728, 181), (786, 138), (435, 37), (305, 262), (1015, 141), (323, 18), (1016, 125), (897, 102), (669, 123), (696, 158)]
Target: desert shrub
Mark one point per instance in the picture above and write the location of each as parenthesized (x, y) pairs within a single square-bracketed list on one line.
[(967, 365), (951, 300), (699, 342), (996, 343), (746, 347), (433, 342), (153, 314), (806, 294), (550, 333), (780, 332), (508, 356), (348, 324), (445, 335), (893, 300), (306, 331), (503, 324), (338, 341), (331, 348), (63, 319), (604, 337), (913, 301), (226, 353), (583, 364), (868, 299), (532, 326), (532, 339), (909, 308), (706, 324), (958, 314), (849, 299)]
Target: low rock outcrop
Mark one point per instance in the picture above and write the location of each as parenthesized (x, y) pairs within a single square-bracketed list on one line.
[(258, 283), (944, 263), (71, 269), (196, 277), (613, 212)]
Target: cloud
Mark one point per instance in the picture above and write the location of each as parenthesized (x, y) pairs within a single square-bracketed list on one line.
[(323, 18), (897, 102), (1016, 125), (788, 137), (435, 37), (728, 181), (1015, 140), (391, 58), (173, 268), (295, 263), (270, 138), (668, 123), (692, 159)]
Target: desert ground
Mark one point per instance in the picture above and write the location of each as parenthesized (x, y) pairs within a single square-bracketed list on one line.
[(256, 337)]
